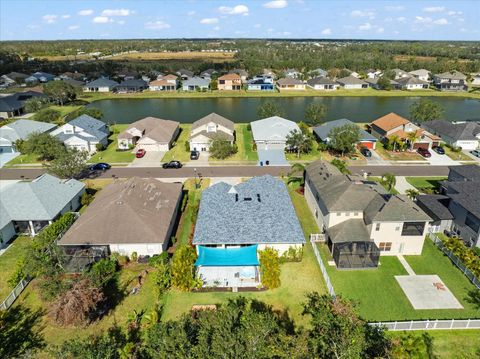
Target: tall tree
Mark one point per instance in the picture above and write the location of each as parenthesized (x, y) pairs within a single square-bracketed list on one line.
[(425, 110), (269, 109), (59, 91), (344, 138), (43, 145), (299, 141), (221, 148), (412, 137), (315, 114), (389, 180), (183, 260), (47, 115), (68, 164)]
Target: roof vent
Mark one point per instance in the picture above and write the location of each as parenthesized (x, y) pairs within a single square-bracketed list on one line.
[(258, 197), (247, 198), (236, 197)]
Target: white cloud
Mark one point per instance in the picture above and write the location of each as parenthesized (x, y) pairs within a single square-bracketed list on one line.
[(101, 19), (434, 9), (216, 28), (365, 27), (441, 21), (285, 33), (116, 12), (276, 4), (454, 13), (270, 30), (86, 12), (73, 27), (401, 18), (191, 13), (236, 10), (66, 16), (209, 21), (380, 30), (363, 13), (395, 8), (157, 25), (50, 19), (423, 20), (121, 22), (326, 31)]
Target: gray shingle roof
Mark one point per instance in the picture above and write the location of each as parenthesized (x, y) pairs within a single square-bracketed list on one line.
[(289, 81), (454, 75), (400, 209), (273, 128), (321, 80), (16, 101), (468, 172), (40, 199), (102, 82), (466, 194), (466, 131), (323, 130), (215, 118), (196, 81), (20, 129), (435, 205), (352, 230), (410, 81), (223, 220), (351, 80)]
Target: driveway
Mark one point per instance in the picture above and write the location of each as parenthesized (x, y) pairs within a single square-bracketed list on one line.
[(275, 157), (6, 157), (151, 159), (376, 159), (201, 162), (441, 160), (471, 156)]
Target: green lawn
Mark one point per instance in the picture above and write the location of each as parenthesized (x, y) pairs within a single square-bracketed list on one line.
[(297, 279), (23, 159), (65, 110), (178, 151), (457, 156), (379, 296), (8, 261), (425, 183), (397, 156), (110, 154), (244, 142)]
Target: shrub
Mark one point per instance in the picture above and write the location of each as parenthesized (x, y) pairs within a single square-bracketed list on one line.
[(18, 274), (86, 199), (183, 267), (134, 256), (292, 255), (121, 259), (47, 115), (102, 272), (187, 146), (249, 127), (270, 268), (100, 147), (158, 259)]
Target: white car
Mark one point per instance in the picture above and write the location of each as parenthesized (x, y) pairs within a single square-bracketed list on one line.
[(476, 153)]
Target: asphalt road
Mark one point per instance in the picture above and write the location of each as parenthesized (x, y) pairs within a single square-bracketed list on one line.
[(228, 171)]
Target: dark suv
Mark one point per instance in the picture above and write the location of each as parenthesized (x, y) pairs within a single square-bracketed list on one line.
[(172, 164), (194, 155), (424, 152)]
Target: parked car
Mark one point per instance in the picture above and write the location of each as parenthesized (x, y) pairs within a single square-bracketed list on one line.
[(172, 164), (366, 152), (439, 150), (140, 153), (424, 152), (102, 166), (194, 155), (476, 153)]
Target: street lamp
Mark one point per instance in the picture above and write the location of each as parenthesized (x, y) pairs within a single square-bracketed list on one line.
[(197, 175)]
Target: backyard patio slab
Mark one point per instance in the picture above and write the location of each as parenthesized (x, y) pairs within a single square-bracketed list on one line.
[(427, 292)]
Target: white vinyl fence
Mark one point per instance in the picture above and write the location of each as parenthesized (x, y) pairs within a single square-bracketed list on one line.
[(322, 268), (430, 324), (7, 303), (467, 272)]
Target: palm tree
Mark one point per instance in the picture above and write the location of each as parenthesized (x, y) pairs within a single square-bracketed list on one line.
[(412, 193), (412, 137), (296, 174), (389, 181), (393, 140)]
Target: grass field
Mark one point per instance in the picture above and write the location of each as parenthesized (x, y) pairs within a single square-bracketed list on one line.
[(425, 183), (397, 156), (110, 154), (178, 151), (23, 159), (8, 261), (380, 297), (457, 156), (244, 141), (65, 110)]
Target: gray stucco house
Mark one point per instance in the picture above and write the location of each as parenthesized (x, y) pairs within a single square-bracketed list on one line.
[(464, 134), (29, 206), (322, 133), (196, 84)]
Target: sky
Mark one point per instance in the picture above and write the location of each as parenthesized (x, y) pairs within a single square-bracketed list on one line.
[(319, 19)]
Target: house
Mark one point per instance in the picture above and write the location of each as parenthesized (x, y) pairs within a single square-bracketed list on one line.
[(207, 74), (399, 74), (75, 83), (359, 220), (458, 208), (318, 73), (14, 78), (272, 132), (100, 85), (43, 76), (240, 72), (185, 74), (373, 83), (450, 81), (73, 76), (421, 74), (131, 86), (322, 83), (292, 73), (134, 215), (269, 73), (412, 83), (322, 133), (465, 135), (476, 80), (209, 127), (395, 125), (196, 84), (351, 83), (127, 75), (230, 82), (374, 74), (20, 130), (26, 207), (261, 83), (149, 133), (83, 133), (234, 222), (14, 105), (161, 85), (290, 84)]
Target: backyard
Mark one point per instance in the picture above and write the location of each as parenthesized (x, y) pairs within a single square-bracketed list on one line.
[(110, 154), (380, 297), (8, 262)]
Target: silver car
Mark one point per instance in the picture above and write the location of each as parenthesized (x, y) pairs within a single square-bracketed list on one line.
[(476, 153)]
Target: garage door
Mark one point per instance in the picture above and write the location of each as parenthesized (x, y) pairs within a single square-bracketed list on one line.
[(153, 147), (366, 144), (421, 145)]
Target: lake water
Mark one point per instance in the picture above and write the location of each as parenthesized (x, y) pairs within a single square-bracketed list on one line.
[(244, 109)]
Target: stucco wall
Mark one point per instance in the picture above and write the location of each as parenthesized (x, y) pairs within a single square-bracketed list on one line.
[(392, 232), (6, 234)]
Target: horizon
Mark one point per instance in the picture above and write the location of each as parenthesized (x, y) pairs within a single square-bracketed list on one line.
[(246, 20)]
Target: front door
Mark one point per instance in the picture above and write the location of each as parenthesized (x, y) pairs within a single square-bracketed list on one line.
[(401, 248)]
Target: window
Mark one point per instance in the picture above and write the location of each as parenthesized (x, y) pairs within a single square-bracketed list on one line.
[(316, 213), (397, 228), (413, 228), (355, 214), (472, 222), (339, 214), (377, 227), (385, 246), (347, 214)]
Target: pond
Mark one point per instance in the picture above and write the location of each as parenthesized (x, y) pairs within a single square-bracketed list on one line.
[(244, 109)]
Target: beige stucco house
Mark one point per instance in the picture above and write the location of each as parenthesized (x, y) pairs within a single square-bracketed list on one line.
[(230, 82), (209, 127)]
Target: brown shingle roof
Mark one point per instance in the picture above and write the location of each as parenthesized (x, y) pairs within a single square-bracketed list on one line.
[(157, 129), (169, 77), (230, 77), (215, 118), (161, 82), (134, 210), (390, 121)]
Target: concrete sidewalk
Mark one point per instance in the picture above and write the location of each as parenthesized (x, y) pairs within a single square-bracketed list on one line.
[(405, 265), (402, 185)]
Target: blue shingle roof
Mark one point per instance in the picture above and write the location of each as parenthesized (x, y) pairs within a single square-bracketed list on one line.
[(253, 212)]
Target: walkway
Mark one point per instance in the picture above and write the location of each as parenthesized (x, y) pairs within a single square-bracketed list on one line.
[(402, 185), (405, 265)]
